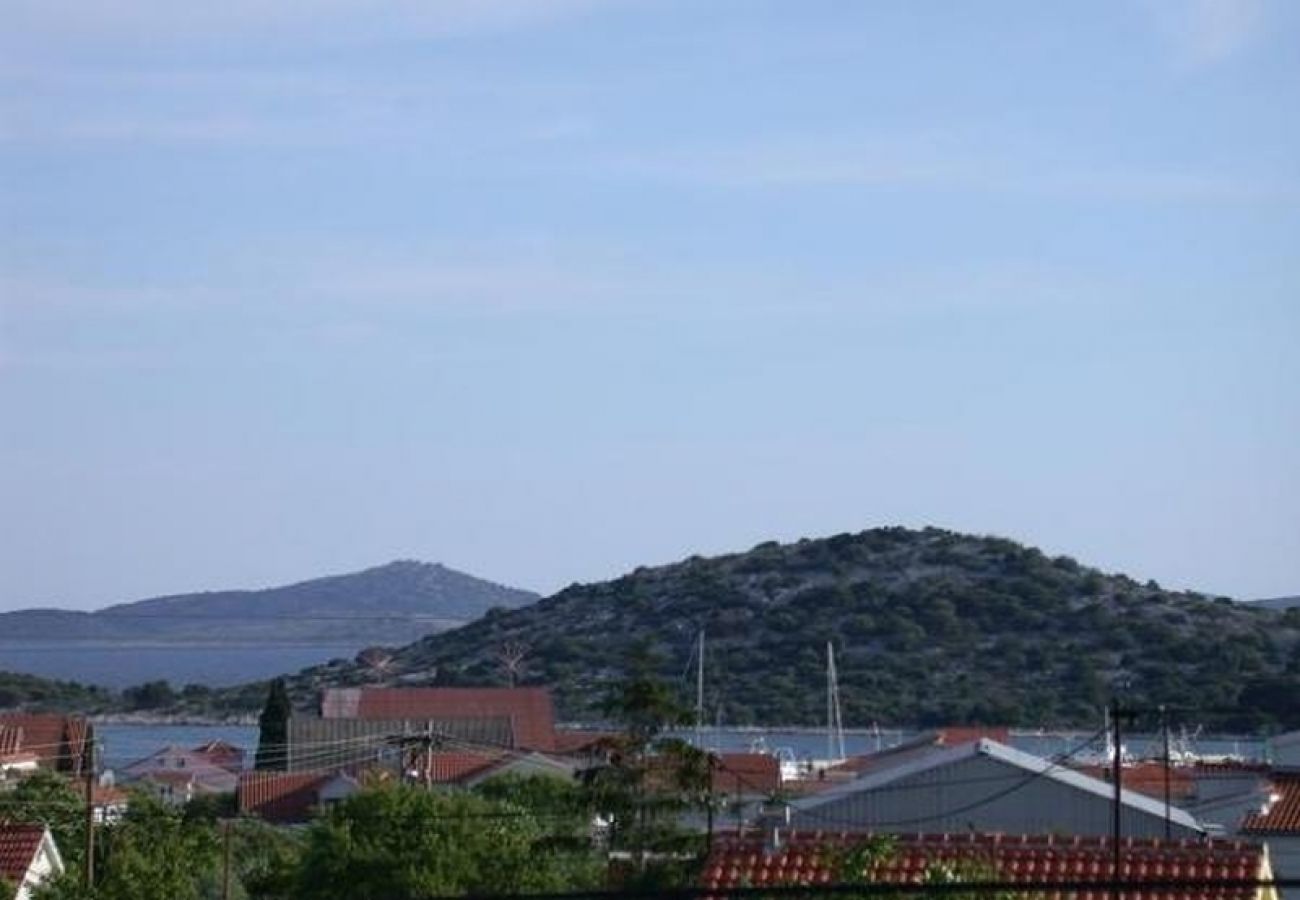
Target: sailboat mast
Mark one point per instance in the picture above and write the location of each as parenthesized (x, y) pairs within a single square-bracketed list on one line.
[(834, 721), (699, 695), (830, 701)]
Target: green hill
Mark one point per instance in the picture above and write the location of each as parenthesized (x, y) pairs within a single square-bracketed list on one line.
[(929, 626)]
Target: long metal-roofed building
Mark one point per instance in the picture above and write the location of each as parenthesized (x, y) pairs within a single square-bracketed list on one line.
[(984, 786), (529, 710), (332, 743)]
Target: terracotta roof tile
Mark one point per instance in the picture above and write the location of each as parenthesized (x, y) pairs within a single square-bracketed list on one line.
[(60, 741), (580, 740), (18, 846), (953, 735), (810, 858), (1284, 815), (11, 739), (279, 796), (449, 767), (1149, 779), (746, 773), (222, 754)]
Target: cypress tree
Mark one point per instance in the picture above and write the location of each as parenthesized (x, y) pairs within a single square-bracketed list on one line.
[(273, 728)]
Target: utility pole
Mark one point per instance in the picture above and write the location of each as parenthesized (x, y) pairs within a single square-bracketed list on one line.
[(1164, 728), (428, 757), (713, 760), (225, 860), (88, 763), (1117, 715), (426, 743)]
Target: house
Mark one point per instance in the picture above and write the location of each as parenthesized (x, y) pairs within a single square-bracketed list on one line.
[(813, 858), (60, 743), (172, 788), (1278, 827), (291, 797), (471, 768), (982, 786), (177, 775), (108, 802), (222, 753), (529, 710), (28, 857), (15, 762)]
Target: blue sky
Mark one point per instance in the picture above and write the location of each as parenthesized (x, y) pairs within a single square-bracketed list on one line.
[(548, 290)]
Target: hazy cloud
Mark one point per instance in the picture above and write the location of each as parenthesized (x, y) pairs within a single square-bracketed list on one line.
[(1203, 32)]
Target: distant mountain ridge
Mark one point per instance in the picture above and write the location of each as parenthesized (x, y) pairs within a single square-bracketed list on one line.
[(393, 603), (930, 627), (1278, 602)]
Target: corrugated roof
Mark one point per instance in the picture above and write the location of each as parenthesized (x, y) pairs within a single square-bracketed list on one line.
[(911, 765), (336, 743), (18, 847), (815, 858), (1283, 816), (529, 709)]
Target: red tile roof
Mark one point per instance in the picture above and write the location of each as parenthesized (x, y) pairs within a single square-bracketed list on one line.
[(449, 767), (1284, 815), (59, 741), (11, 739), (1149, 779), (812, 858), (746, 773), (18, 846), (580, 740), (280, 796), (222, 754), (953, 735), (531, 713)]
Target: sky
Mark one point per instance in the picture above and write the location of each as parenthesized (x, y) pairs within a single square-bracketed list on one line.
[(549, 289)]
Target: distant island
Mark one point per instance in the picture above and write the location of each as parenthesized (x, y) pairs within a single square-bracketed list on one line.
[(393, 603), (229, 637), (1278, 602)]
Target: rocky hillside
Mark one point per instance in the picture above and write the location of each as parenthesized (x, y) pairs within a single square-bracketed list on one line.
[(393, 603), (929, 626)]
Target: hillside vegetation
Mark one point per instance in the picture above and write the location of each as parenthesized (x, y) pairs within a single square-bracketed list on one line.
[(929, 626)]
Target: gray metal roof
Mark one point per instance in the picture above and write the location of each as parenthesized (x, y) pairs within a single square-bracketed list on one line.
[(1033, 766)]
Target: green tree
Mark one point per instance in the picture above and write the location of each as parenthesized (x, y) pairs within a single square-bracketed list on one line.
[(49, 799), (150, 695), (402, 841), (273, 728), (649, 779), (154, 853)]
